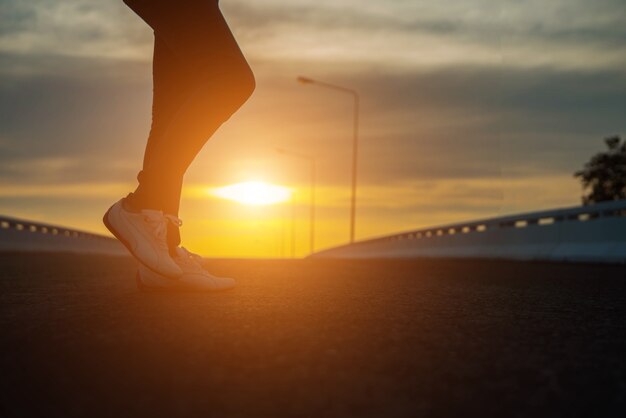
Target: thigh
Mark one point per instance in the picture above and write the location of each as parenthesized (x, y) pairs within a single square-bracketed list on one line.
[(194, 30)]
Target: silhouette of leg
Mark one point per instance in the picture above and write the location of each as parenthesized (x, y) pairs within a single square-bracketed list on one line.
[(170, 88), (200, 79)]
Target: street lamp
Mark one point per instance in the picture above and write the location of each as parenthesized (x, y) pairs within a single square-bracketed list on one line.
[(355, 141), (311, 160)]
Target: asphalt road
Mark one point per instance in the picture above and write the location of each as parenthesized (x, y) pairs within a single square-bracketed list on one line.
[(314, 338)]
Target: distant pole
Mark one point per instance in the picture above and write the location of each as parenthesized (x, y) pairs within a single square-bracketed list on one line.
[(312, 208), (293, 228), (355, 142), (312, 186), (355, 149)]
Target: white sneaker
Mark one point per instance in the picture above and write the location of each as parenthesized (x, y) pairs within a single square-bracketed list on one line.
[(194, 276), (144, 234)]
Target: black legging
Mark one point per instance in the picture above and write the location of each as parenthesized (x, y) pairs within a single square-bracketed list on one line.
[(200, 79)]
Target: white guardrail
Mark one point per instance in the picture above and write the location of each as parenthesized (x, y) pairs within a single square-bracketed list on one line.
[(22, 235), (594, 233)]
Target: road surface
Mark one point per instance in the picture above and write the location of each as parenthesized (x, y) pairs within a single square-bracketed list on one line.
[(313, 338)]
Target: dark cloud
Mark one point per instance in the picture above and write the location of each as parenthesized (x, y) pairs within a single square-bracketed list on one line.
[(74, 110), (481, 122), (463, 122), (490, 88), (15, 17)]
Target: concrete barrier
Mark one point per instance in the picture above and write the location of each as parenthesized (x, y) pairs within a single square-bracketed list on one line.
[(595, 233), (22, 235)]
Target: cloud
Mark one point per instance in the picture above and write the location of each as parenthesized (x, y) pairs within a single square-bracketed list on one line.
[(470, 106), (81, 112), (81, 190), (566, 34), (459, 122), (20, 173), (72, 28), (456, 122)]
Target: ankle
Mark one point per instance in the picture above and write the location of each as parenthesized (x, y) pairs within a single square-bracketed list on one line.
[(129, 203), (134, 203)]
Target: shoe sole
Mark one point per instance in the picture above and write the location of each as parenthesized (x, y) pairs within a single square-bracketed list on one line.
[(126, 244)]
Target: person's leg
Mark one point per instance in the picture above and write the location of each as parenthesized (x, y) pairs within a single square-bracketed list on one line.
[(219, 81), (171, 86), (201, 79)]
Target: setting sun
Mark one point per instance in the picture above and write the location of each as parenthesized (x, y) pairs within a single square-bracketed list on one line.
[(254, 193)]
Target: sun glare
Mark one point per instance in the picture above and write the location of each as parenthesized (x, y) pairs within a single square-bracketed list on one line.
[(254, 193)]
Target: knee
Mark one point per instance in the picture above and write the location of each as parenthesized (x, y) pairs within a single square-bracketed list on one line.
[(243, 84), (250, 83), (224, 89), (235, 88)]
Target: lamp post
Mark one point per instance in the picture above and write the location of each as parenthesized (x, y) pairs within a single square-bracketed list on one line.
[(293, 228), (312, 163), (355, 141)]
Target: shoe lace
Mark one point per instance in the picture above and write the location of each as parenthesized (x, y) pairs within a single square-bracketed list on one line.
[(186, 257), (158, 222)]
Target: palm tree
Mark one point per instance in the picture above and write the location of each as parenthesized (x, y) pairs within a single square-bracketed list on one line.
[(604, 175)]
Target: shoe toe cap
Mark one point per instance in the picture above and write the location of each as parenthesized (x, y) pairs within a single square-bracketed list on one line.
[(226, 283)]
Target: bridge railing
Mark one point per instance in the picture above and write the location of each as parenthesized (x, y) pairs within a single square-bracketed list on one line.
[(24, 235), (585, 233)]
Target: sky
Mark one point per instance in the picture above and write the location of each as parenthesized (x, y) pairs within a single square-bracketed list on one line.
[(470, 109)]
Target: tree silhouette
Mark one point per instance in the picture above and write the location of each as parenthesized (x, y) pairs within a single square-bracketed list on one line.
[(604, 175)]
